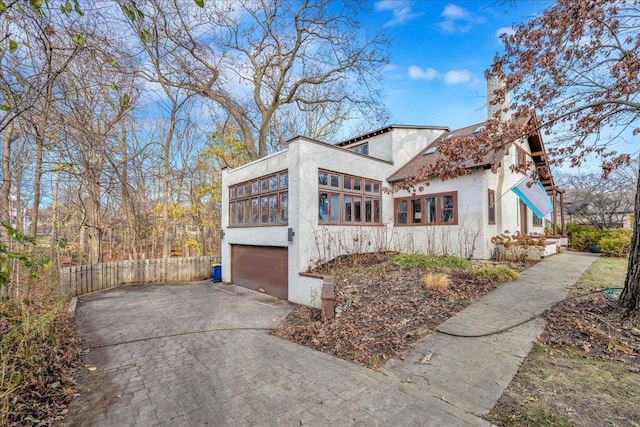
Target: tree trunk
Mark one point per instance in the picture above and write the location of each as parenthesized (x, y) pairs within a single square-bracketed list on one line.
[(630, 298), (166, 238), (53, 235), (5, 187), (95, 221), (37, 179)]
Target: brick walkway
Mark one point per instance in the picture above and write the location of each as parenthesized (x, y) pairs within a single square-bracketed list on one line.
[(471, 370), (198, 354)]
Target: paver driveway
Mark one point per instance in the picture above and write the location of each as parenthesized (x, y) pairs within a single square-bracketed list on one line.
[(199, 354)]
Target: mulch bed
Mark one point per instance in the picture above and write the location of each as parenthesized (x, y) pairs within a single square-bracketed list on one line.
[(381, 309)]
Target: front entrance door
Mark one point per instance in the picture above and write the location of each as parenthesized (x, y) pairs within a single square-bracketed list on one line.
[(523, 218)]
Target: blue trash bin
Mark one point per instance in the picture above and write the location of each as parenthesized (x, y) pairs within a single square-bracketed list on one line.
[(216, 273)]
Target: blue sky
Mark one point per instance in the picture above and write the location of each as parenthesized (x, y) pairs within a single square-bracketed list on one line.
[(439, 52)]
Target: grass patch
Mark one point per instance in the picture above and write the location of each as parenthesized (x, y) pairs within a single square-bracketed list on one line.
[(423, 261), (603, 273), (561, 387), (496, 273)]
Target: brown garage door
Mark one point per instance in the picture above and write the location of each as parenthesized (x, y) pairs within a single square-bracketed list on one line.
[(265, 267)]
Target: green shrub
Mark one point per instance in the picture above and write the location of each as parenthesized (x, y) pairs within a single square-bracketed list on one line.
[(496, 273), (583, 240), (430, 261), (616, 243), (612, 241)]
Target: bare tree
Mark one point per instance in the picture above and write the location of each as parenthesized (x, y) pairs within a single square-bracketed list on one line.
[(577, 65), (603, 203), (97, 97), (39, 45), (260, 59)]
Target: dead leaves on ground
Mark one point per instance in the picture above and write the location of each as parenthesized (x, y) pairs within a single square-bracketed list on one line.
[(380, 311), (592, 324)]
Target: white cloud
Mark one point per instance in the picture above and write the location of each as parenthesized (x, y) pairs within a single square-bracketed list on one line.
[(453, 77), (389, 67), (454, 13), (456, 19), (401, 11), (416, 72), (505, 30)]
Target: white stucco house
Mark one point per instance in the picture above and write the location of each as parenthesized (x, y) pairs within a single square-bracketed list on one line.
[(311, 202)]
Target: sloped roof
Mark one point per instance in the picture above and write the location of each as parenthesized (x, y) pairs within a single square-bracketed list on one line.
[(429, 156)]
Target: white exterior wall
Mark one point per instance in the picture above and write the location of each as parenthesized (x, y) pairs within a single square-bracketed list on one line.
[(401, 144), (507, 203), (380, 146), (260, 236), (318, 243), (315, 243), (408, 142), (464, 239), (312, 243)]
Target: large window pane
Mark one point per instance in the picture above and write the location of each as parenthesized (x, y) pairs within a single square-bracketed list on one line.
[(264, 210), (432, 210), (284, 180), (232, 213), (240, 212), (368, 210), (447, 209), (273, 209), (284, 207), (247, 213), (348, 209), (323, 207), (376, 211), (335, 208), (416, 211), (402, 212), (357, 209), (255, 211)]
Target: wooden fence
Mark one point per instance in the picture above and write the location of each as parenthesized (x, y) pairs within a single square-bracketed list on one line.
[(84, 279)]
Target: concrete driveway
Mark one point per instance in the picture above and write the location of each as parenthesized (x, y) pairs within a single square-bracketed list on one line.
[(199, 354)]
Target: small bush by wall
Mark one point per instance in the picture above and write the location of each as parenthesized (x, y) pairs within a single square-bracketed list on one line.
[(518, 246)]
